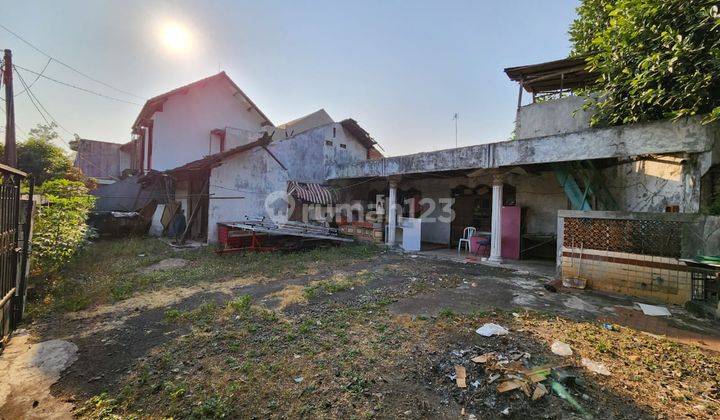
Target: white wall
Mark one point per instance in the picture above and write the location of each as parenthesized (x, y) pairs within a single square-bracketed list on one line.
[(336, 154), (181, 131), (252, 175)]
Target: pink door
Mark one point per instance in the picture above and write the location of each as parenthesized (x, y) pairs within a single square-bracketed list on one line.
[(511, 232)]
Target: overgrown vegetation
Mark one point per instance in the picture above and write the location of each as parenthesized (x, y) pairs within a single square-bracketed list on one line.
[(60, 224), (656, 59)]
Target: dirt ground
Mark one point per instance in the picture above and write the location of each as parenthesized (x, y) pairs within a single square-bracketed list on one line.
[(352, 332)]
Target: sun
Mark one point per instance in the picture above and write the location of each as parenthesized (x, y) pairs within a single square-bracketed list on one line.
[(175, 37)]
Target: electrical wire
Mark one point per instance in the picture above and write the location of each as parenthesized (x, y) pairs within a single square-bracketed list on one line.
[(33, 99), (67, 65), (36, 78), (32, 95), (76, 87)]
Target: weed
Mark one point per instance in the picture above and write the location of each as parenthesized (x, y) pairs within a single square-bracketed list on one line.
[(241, 305), (173, 315), (446, 313), (214, 407)]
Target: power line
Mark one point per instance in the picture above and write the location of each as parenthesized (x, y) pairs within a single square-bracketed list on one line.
[(32, 95), (76, 87), (36, 77), (33, 99), (67, 65)]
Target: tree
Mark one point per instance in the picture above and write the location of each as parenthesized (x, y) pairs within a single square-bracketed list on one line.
[(40, 157), (656, 59)]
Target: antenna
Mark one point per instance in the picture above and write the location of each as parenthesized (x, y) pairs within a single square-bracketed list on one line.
[(456, 118)]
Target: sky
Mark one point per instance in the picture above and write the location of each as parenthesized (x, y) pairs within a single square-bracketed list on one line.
[(402, 69)]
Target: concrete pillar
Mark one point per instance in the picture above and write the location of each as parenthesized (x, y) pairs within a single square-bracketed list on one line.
[(496, 221), (392, 213)]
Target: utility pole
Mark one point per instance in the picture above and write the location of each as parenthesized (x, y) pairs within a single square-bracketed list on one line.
[(10, 151)]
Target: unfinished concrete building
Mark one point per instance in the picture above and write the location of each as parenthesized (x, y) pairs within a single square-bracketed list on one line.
[(636, 191)]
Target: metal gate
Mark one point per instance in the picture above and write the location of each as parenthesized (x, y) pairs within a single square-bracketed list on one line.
[(14, 243)]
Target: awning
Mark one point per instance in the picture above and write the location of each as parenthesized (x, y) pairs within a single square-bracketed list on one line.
[(312, 193)]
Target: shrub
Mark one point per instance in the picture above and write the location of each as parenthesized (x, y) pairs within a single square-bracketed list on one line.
[(60, 224), (656, 59)]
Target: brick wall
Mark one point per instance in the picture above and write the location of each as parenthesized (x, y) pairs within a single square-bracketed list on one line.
[(660, 278), (636, 254)]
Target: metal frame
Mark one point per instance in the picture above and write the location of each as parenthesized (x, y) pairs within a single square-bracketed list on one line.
[(14, 248)]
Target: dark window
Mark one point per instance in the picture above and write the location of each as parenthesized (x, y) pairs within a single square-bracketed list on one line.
[(672, 209), (343, 146), (328, 143), (334, 131)]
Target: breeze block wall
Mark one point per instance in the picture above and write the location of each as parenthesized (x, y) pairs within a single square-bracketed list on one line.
[(636, 254)]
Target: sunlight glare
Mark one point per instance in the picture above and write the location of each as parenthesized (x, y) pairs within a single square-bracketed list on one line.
[(176, 37)]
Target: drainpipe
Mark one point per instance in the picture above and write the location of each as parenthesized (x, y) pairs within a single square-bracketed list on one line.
[(496, 221)]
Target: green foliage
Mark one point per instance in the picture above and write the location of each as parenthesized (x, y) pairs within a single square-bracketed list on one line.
[(60, 225), (656, 59), (40, 157), (240, 305)]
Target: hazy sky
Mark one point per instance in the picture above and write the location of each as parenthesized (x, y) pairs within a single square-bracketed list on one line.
[(400, 68)]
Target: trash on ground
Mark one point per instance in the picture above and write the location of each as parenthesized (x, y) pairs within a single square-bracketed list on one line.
[(561, 349), (540, 391), (537, 374), (483, 358), (563, 393), (460, 376), (596, 367), (653, 310), (506, 386), (490, 329), (506, 411), (610, 327), (298, 379)]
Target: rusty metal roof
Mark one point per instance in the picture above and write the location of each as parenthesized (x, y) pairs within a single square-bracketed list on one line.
[(568, 73), (211, 161), (358, 132)]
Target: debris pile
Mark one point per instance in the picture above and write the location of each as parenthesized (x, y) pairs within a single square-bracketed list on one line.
[(504, 379)]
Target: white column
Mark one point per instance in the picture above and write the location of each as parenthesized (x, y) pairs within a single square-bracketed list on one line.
[(392, 213), (496, 222)]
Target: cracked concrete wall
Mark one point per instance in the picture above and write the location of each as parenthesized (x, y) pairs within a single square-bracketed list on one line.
[(660, 137), (252, 175), (652, 185), (255, 174), (552, 117)]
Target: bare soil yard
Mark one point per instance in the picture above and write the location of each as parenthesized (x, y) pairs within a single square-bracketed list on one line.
[(349, 332)]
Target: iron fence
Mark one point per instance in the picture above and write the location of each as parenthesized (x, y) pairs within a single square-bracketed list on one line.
[(14, 244)]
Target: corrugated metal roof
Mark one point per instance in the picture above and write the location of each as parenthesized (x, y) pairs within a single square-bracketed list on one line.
[(568, 73), (211, 161)]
